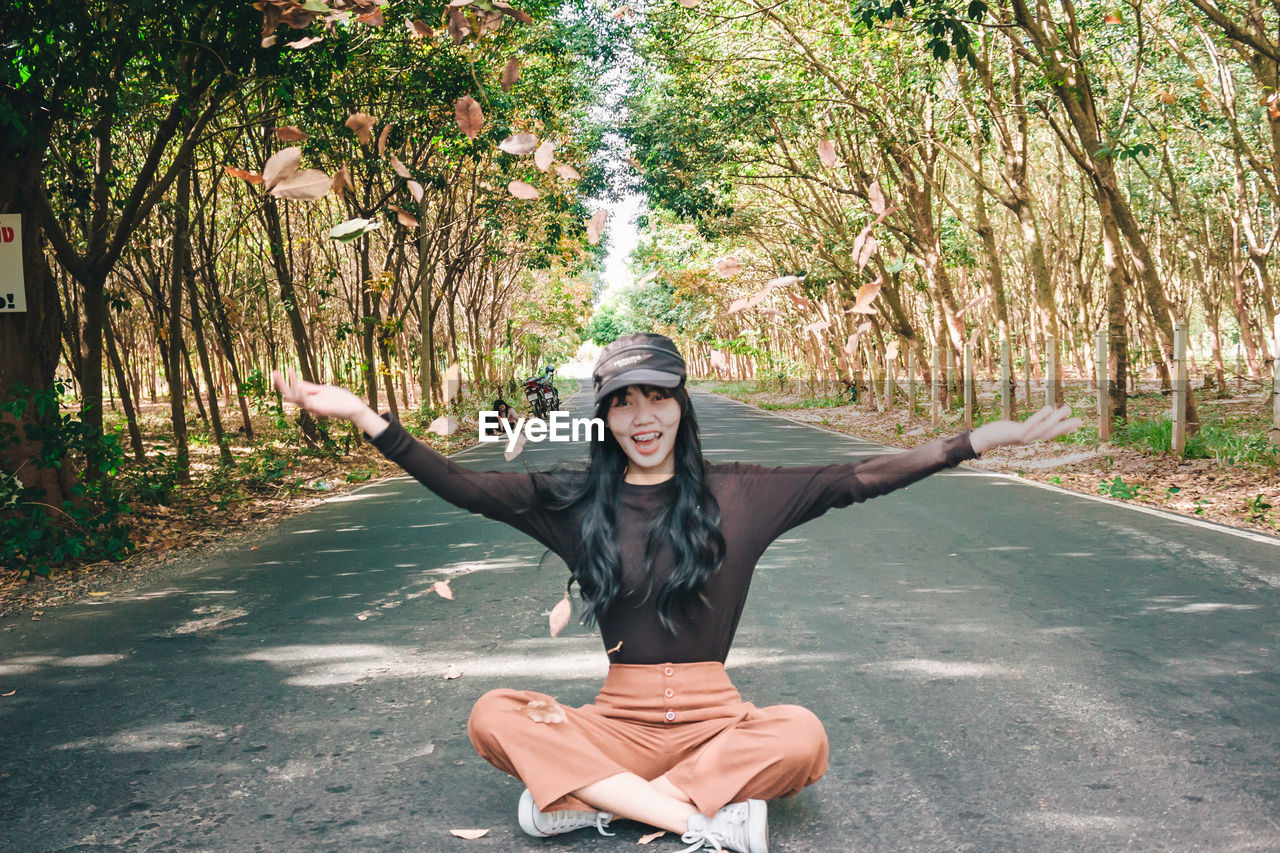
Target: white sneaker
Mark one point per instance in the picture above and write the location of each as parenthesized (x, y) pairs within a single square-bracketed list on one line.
[(740, 827), (542, 824)]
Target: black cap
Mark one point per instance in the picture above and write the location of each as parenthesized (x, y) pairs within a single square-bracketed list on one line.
[(638, 360)]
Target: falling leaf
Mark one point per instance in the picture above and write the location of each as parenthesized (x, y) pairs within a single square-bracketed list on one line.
[(615, 648), (452, 673), (524, 191), (441, 588), (738, 305), (718, 361), (560, 616), (863, 298), (469, 833), (635, 164), (400, 168), (508, 9), (415, 190), (827, 154), (782, 281), (728, 267), (815, 327), (361, 125), (1113, 18), (307, 185), (595, 226), (876, 197), (243, 174), (567, 172), (269, 40), (654, 836), (690, 4), (770, 312), (373, 19), (862, 254), (306, 42), (886, 213), (468, 115), (351, 229), (542, 711), (459, 26), (973, 339), (543, 156), (418, 29), (975, 302), (851, 344), (10, 693), (290, 134), (452, 382), (404, 217), (443, 425), (800, 301), (510, 74), (341, 181), (891, 351), (516, 449), (519, 144), (281, 165), (382, 140)]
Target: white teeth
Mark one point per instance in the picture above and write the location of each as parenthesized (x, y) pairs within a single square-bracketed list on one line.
[(644, 436)]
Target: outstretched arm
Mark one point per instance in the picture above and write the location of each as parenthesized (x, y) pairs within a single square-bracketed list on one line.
[(1046, 423), (328, 401)]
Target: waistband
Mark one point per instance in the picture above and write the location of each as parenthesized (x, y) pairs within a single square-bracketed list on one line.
[(668, 692)]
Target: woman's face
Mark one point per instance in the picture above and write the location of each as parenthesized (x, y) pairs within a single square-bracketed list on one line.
[(645, 423)]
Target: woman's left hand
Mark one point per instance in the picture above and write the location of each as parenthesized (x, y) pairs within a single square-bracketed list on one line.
[(1046, 423)]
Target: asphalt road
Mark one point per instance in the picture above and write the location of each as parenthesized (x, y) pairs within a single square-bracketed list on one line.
[(1000, 666)]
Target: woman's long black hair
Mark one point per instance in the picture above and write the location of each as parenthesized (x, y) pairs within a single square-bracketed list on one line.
[(689, 524)]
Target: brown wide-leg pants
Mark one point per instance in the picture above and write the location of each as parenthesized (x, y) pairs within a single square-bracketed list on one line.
[(686, 721)]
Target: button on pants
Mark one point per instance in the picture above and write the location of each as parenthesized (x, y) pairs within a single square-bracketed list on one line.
[(686, 721)]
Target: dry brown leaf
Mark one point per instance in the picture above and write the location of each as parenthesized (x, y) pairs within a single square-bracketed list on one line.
[(615, 648), (363, 617), (560, 614), (443, 425), (382, 140), (800, 301), (468, 115), (718, 361), (400, 168), (891, 352), (863, 253), (973, 338), (595, 226), (290, 134), (404, 217), (728, 267), (816, 326), (373, 19), (306, 42), (441, 588), (243, 174), (281, 165), (876, 197), (307, 185), (653, 836), (770, 312), (690, 4), (567, 172), (269, 40), (452, 382), (827, 154), (977, 301), (341, 181), (542, 711), (418, 29), (519, 144), (510, 74), (781, 281), (469, 834), (521, 190), (738, 305), (864, 297), (450, 674), (543, 156), (361, 124), (415, 190)]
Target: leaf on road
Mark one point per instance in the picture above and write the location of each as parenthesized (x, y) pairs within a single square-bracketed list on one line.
[(450, 674), (653, 836), (544, 154), (595, 226), (441, 588), (728, 267), (510, 74), (468, 115), (361, 124), (521, 190), (560, 614), (542, 711), (443, 425), (469, 834), (363, 617), (519, 144)]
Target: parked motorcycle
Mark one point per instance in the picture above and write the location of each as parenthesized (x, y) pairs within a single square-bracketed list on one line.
[(541, 393)]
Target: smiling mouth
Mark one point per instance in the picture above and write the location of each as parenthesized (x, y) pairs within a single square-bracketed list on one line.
[(646, 442)]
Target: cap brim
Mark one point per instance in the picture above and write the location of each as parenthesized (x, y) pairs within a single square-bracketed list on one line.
[(661, 378)]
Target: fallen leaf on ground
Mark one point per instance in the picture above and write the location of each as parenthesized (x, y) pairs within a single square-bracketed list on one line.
[(653, 836), (452, 673), (441, 588), (560, 616), (469, 833), (542, 711), (99, 593), (363, 617)]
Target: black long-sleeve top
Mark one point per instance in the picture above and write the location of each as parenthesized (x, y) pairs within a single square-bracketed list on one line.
[(757, 505)]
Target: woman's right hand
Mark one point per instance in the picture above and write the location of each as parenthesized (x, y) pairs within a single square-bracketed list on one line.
[(326, 401)]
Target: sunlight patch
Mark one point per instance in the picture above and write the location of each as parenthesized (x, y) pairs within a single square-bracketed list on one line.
[(942, 668), (149, 738)]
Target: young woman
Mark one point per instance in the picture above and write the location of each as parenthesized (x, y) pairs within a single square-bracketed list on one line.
[(662, 545)]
